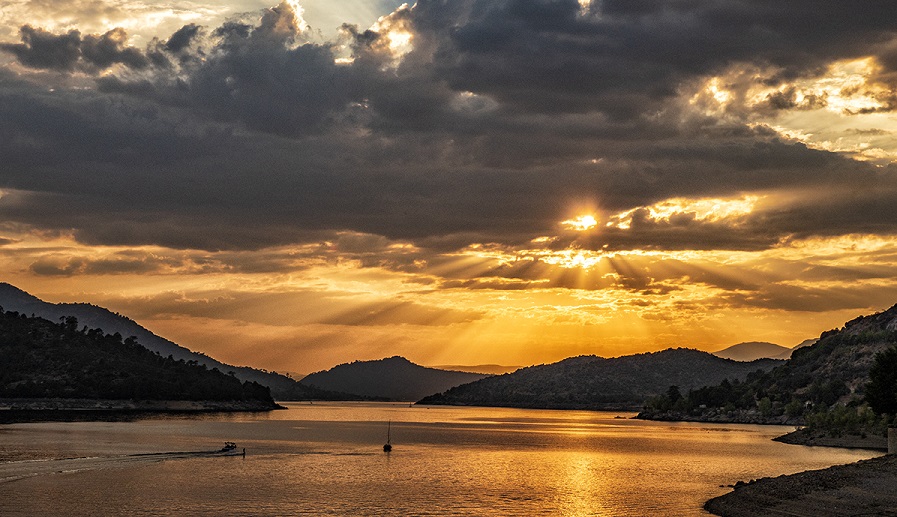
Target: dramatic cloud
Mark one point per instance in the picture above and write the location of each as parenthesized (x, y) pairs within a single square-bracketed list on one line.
[(470, 148)]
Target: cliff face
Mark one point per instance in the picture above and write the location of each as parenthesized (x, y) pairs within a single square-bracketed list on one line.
[(592, 382)]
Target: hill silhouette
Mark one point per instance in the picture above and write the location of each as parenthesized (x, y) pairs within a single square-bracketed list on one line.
[(486, 369), (43, 359), (592, 382), (752, 350), (92, 316), (394, 378)]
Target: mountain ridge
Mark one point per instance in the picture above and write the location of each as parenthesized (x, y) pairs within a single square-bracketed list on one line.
[(394, 377), (96, 317), (486, 369), (593, 382), (751, 350)]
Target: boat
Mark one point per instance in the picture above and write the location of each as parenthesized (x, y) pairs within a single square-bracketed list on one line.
[(230, 449), (388, 446)]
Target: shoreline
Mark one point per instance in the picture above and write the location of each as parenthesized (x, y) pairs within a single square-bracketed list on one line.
[(21, 410), (719, 417), (800, 436), (862, 488), (849, 441), (604, 407)]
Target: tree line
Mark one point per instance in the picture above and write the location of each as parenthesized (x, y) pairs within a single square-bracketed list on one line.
[(44, 359)]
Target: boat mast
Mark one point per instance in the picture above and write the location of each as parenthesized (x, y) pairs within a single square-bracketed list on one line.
[(388, 446)]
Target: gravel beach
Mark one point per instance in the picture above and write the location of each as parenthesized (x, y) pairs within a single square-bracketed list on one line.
[(867, 487)]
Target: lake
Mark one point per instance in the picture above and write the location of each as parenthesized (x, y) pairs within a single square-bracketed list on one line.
[(327, 459)]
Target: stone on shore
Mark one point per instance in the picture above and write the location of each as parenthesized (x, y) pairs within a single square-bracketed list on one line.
[(863, 488)]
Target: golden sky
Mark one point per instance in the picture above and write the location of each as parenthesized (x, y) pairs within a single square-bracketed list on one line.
[(296, 186)]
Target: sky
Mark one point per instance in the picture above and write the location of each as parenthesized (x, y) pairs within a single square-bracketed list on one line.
[(299, 185)]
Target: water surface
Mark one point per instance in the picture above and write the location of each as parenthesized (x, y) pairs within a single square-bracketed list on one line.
[(327, 459)]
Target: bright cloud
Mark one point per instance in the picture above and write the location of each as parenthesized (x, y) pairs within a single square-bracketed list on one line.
[(709, 210), (581, 223)]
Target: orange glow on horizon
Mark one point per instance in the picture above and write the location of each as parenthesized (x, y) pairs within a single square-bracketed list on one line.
[(484, 304)]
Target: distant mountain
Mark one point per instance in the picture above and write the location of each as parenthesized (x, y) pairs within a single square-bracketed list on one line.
[(806, 342), (44, 359), (832, 372), (753, 350), (590, 382), (282, 387), (486, 369), (394, 378)]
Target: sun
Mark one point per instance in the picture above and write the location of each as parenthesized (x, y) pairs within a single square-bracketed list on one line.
[(581, 223)]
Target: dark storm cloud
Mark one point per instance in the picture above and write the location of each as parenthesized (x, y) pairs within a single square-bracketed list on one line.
[(42, 49), (505, 115), (624, 57), (107, 49), (255, 75), (182, 38)]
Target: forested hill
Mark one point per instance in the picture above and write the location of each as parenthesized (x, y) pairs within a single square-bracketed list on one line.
[(829, 379), (588, 382), (92, 316), (43, 359), (394, 378)]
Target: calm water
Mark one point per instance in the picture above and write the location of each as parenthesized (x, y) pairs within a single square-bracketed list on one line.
[(326, 459)]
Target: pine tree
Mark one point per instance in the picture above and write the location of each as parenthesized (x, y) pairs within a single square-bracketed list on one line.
[(881, 392)]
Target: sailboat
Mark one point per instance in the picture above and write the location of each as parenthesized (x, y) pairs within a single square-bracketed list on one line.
[(388, 446)]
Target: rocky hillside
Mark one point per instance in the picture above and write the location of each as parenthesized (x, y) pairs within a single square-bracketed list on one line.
[(394, 378), (831, 373), (593, 382)]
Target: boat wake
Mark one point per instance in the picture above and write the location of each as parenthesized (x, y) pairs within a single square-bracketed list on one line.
[(16, 470)]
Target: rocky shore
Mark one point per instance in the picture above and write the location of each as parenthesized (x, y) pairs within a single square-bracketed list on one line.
[(862, 488), (800, 436), (846, 441)]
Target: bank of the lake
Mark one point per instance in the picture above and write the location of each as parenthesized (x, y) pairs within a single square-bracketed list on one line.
[(807, 436), (65, 409), (719, 416), (862, 488), (800, 436)]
